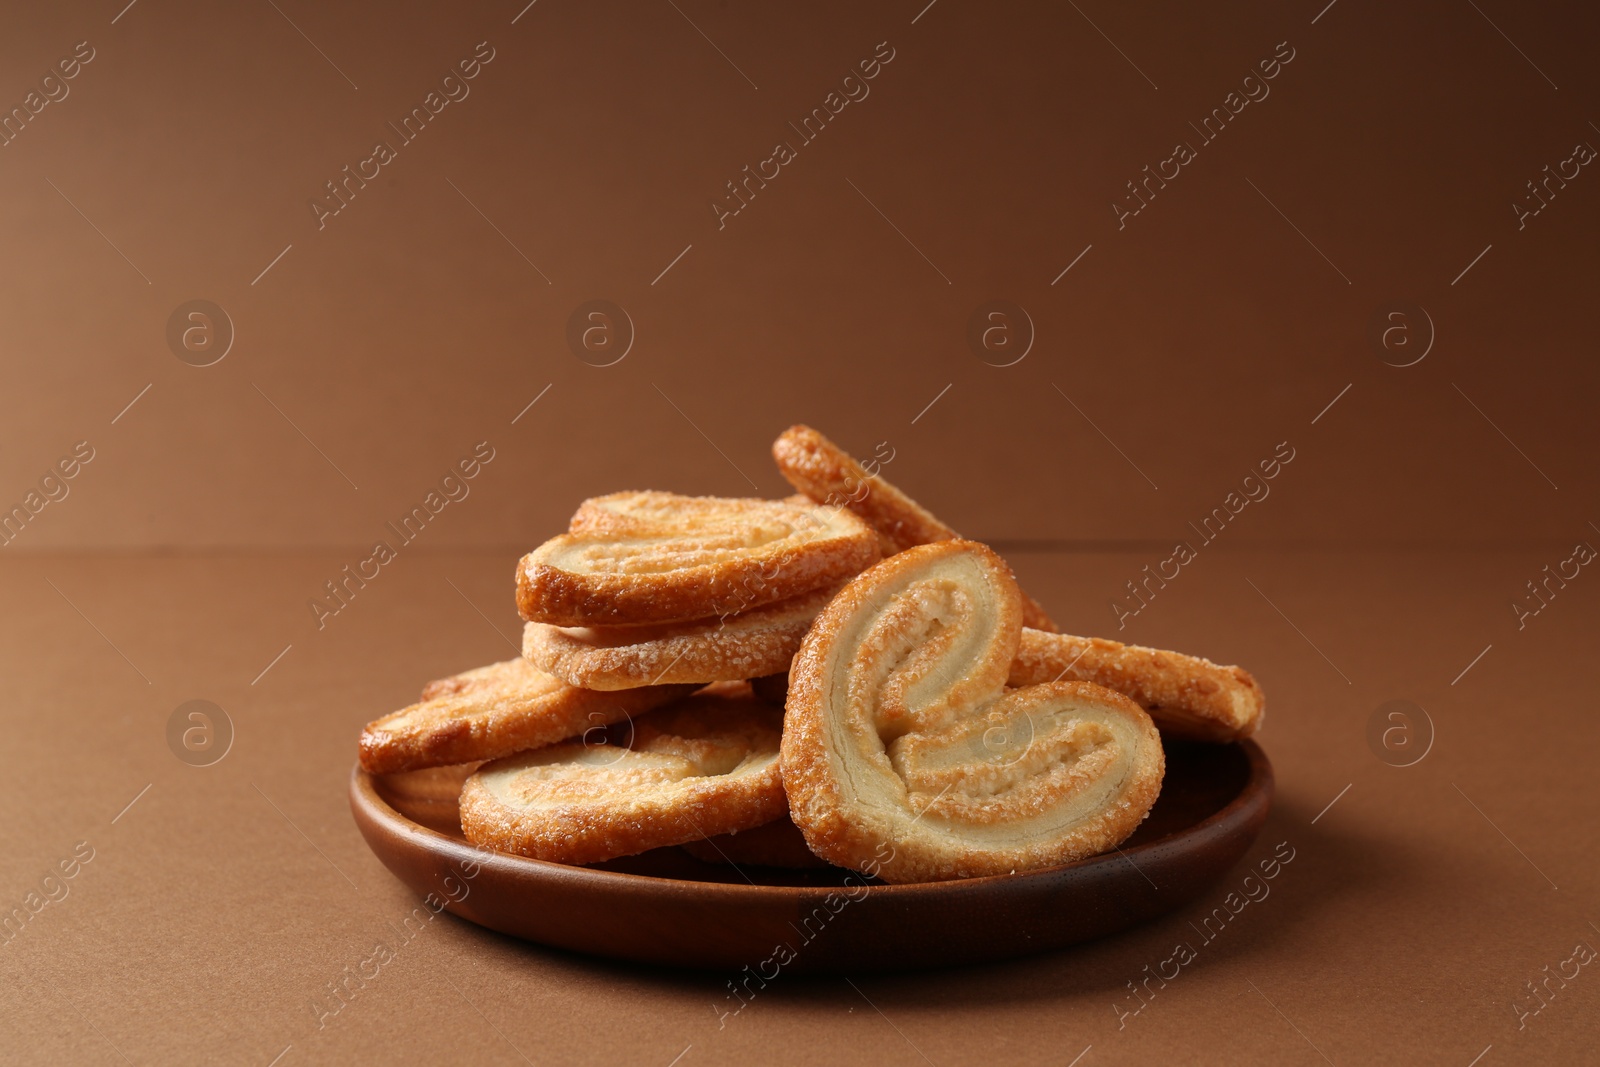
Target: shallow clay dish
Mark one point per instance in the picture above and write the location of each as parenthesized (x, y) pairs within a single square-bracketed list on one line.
[(666, 907)]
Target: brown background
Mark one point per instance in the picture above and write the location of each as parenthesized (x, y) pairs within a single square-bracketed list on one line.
[(983, 162)]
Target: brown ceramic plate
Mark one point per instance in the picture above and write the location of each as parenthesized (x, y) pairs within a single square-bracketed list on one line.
[(666, 907)]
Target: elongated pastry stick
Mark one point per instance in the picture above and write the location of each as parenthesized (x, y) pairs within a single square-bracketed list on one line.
[(494, 711), (1188, 697), (828, 474)]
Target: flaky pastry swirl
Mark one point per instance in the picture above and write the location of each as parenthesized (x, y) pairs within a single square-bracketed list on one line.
[(649, 557), (905, 756)]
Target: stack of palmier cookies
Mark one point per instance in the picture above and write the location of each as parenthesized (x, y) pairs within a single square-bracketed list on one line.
[(833, 678)]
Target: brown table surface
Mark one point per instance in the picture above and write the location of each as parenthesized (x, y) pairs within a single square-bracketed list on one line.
[(225, 898), (1387, 168)]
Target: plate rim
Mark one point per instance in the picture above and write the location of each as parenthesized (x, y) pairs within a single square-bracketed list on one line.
[(369, 807)]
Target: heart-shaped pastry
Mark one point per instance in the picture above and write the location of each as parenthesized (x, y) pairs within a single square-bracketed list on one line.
[(905, 756), (636, 558)]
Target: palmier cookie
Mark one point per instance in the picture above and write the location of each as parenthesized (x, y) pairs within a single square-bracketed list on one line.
[(747, 645), (1188, 697), (633, 558), (703, 766), (827, 473), (777, 844), (905, 756), (494, 711)]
